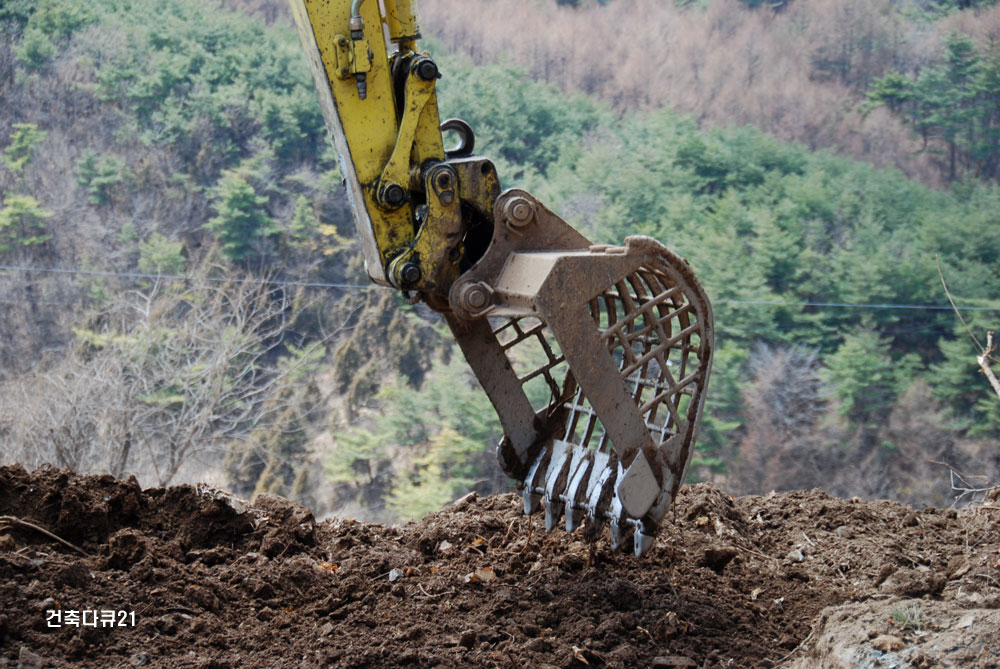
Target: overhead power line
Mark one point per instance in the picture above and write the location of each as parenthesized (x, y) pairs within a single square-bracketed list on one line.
[(355, 286), (179, 277), (857, 305)]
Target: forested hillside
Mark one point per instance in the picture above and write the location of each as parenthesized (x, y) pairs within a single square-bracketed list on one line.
[(182, 288), (800, 70)]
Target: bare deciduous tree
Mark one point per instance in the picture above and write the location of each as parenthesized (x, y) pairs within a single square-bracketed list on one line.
[(167, 378), (724, 64), (984, 359), (782, 447)]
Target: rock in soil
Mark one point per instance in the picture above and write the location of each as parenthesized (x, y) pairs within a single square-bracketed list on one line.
[(190, 577), (909, 633)]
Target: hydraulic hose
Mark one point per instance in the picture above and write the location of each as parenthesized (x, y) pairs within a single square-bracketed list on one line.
[(357, 23)]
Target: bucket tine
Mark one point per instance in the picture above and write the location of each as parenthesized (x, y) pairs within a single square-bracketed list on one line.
[(532, 501), (553, 511), (574, 516), (643, 542), (617, 535)]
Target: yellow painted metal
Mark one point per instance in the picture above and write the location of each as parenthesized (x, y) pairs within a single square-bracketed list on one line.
[(416, 142), (401, 16), (366, 130), (439, 247), (432, 248), (361, 56)]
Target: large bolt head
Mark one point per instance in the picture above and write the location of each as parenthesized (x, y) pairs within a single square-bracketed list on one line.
[(410, 274), (519, 212), (475, 297), (394, 195), (427, 70), (442, 180)]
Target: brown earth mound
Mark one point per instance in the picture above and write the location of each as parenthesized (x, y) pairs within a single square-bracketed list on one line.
[(196, 578)]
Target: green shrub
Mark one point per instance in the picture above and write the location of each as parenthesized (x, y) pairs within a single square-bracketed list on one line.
[(99, 174)]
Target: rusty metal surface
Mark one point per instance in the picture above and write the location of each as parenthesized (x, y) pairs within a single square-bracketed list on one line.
[(607, 349)]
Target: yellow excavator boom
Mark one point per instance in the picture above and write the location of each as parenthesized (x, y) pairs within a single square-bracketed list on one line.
[(595, 357)]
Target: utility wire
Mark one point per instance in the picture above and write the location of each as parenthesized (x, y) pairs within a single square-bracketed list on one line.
[(936, 332), (857, 305), (355, 286), (179, 277)]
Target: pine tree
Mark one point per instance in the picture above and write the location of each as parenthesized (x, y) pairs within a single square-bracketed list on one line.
[(22, 223), (242, 223), (863, 377)]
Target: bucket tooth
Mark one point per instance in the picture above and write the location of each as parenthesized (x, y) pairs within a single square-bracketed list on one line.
[(576, 490), (553, 511), (532, 500), (575, 494), (533, 482), (574, 516), (596, 521), (616, 535), (557, 470), (643, 542), (599, 489)]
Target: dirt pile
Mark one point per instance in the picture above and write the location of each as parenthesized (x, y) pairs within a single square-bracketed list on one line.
[(97, 572)]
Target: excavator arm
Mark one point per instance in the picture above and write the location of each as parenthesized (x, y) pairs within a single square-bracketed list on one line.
[(596, 358)]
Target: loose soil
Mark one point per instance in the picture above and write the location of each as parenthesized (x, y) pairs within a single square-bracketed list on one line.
[(797, 578)]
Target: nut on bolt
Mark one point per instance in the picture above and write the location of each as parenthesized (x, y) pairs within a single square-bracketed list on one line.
[(427, 70), (475, 297), (393, 195), (410, 274), (442, 179), (519, 211)]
